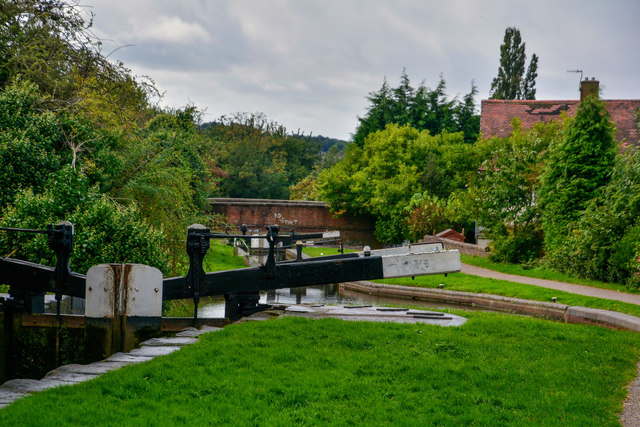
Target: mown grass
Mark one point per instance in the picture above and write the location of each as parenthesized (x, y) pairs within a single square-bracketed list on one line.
[(220, 257), (316, 251), (469, 283), (494, 370), (541, 272)]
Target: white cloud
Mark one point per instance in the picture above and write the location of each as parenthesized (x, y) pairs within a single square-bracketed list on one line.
[(170, 29)]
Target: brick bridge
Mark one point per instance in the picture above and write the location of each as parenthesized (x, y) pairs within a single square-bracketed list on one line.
[(306, 216)]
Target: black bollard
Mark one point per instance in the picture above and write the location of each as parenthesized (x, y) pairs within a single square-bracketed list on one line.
[(60, 240), (197, 247)]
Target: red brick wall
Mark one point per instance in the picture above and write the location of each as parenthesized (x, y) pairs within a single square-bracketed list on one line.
[(305, 216), (464, 248)]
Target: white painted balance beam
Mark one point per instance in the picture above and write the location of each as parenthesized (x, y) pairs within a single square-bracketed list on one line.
[(416, 260)]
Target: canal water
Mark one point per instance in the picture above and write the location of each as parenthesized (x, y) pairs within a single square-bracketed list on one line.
[(325, 294), (213, 307)]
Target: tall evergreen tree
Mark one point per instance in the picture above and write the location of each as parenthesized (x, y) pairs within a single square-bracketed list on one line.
[(577, 170), (421, 108), (529, 82), (511, 82)]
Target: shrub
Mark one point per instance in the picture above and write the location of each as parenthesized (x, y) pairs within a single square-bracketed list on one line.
[(105, 232)]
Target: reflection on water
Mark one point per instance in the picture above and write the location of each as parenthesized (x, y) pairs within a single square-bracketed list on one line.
[(213, 307), (325, 294)]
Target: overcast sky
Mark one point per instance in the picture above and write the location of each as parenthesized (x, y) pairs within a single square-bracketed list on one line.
[(309, 64)]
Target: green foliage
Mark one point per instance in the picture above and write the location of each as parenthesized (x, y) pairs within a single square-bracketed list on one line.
[(511, 82), (380, 178), (327, 143), (421, 108), (36, 143), (43, 41), (93, 118), (307, 188), (51, 43), (604, 243), (29, 141), (521, 247), (164, 171), (426, 212), (104, 231), (503, 194), (577, 169), (259, 158)]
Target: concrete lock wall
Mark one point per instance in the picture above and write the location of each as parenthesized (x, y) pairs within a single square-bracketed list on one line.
[(123, 306), (306, 216)]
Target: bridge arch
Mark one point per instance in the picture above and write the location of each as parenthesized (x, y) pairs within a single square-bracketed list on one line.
[(306, 216)]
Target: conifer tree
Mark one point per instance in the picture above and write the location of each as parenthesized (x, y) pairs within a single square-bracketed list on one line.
[(577, 170)]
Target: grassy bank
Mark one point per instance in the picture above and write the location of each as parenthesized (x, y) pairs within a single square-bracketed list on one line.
[(220, 257), (315, 251), (469, 283), (494, 370), (541, 272)]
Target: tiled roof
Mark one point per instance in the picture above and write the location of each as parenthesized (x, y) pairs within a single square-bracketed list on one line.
[(496, 115)]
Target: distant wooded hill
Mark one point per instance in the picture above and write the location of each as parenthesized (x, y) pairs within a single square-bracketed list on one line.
[(324, 141)]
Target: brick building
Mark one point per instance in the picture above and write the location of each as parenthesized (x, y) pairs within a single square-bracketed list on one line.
[(496, 114)]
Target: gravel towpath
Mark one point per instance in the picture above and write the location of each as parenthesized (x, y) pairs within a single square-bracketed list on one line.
[(552, 284)]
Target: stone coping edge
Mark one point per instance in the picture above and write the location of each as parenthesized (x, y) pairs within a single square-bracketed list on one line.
[(549, 310), (269, 202)]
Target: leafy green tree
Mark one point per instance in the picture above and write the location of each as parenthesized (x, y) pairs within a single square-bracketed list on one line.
[(43, 41), (105, 232), (577, 169), (35, 143), (426, 214), (503, 198), (51, 44), (511, 81), (605, 243), (307, 188), (259, 157), (421, 108), (381, 178)]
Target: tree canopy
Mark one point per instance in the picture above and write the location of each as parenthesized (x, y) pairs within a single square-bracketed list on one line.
[(511, 81), (258, 158), (421, 108), (578, 167), (380, 178)]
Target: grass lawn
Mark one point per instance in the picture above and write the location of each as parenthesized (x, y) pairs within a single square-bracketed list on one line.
[(315, 251), (469, 283), (541, 272), (220, 257), (495, 370)]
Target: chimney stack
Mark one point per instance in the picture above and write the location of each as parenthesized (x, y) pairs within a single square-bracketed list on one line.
[(589, 87)]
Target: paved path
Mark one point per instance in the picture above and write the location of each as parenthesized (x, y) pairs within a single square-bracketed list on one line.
[(552, 284)]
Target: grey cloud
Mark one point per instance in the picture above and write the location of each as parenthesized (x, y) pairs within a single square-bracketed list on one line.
[(310, 64)]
